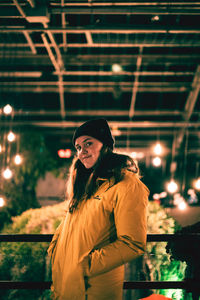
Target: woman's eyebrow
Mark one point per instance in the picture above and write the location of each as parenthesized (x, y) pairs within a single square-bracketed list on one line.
[(86, 140)]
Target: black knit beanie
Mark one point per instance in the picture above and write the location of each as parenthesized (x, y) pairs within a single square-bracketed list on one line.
[(98, 129)]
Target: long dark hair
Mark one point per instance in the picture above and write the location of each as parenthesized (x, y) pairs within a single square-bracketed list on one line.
[(83, 184)]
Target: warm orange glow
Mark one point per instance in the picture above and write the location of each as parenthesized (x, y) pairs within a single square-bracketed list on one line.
[(197, 184), (2, 201), (7, 109), (18, 159), (64, 153), (158, 149), (172, 186), (156, 161), (7, 173), (11, 136)]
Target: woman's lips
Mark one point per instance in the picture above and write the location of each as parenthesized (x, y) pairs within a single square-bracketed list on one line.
[(86, 157)]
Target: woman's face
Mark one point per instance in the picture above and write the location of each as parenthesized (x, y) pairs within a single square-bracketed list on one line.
[(88, 150)]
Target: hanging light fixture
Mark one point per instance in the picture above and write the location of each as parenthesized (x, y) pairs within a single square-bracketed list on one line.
[(156, 161), (172, 186), (197, 184), (182, 205), (11, 136), (7, 173), (158, 149), (7, 109), (2, 201), (155, 18), (116, 68), (18, 159)]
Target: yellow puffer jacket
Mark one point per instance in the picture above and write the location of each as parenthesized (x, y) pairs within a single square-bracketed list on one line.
[(105, 232)]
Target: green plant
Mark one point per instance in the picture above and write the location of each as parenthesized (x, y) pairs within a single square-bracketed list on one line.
[(20, 190), (29, 261), (161, 267)]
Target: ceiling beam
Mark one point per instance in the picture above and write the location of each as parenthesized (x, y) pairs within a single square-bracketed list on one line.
[(50, 53), (137, 73), (94, 83), (30, 42), (167, 9), (115, 8), (82, 89), (100, 112), (57, 63), (91, 86), (63, 20), (135, 84), (190, 43), (83, 29), (119, 124), (129, 3)]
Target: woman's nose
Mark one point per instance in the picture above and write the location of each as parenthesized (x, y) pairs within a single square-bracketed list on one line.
[(84, 150)]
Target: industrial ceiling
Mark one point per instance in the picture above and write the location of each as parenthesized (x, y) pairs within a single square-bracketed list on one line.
[(136, 63)]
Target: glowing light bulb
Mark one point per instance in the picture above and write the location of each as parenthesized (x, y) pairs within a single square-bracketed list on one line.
[(18, 159), (11, 136), (116, 68), (158, 149), (182, 205), (155, 18), (134, 155), (163, 194), (7, 109), (172, 186), (0, 148), (197, 184), (2, 201), (156, 196), (156, 161), (7, 173)]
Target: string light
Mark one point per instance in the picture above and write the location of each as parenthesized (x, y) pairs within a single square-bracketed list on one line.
[(2, 201), (64, 153), (7, 173), (197, 184), (1, 149), (156, 161), (134, 155), (155, 18), (172, 186), (18, 159), (11, 136), (7, 109), (158, 149), (116, 68), (182, 205)]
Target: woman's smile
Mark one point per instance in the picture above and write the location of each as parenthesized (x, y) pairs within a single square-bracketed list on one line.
[(88, 150)]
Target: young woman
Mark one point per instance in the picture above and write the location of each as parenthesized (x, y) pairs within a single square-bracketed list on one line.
[(105, 225)]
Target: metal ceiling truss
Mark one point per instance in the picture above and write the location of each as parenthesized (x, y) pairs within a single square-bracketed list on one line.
[(74, 58)]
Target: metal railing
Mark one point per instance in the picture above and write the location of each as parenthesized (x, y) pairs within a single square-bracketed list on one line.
[(191, 285)]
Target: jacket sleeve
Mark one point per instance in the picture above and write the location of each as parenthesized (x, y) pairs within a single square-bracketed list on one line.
[(54, 239), (131, 226)]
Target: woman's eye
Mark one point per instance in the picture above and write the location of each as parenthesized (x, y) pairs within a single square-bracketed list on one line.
[(88, 144)]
